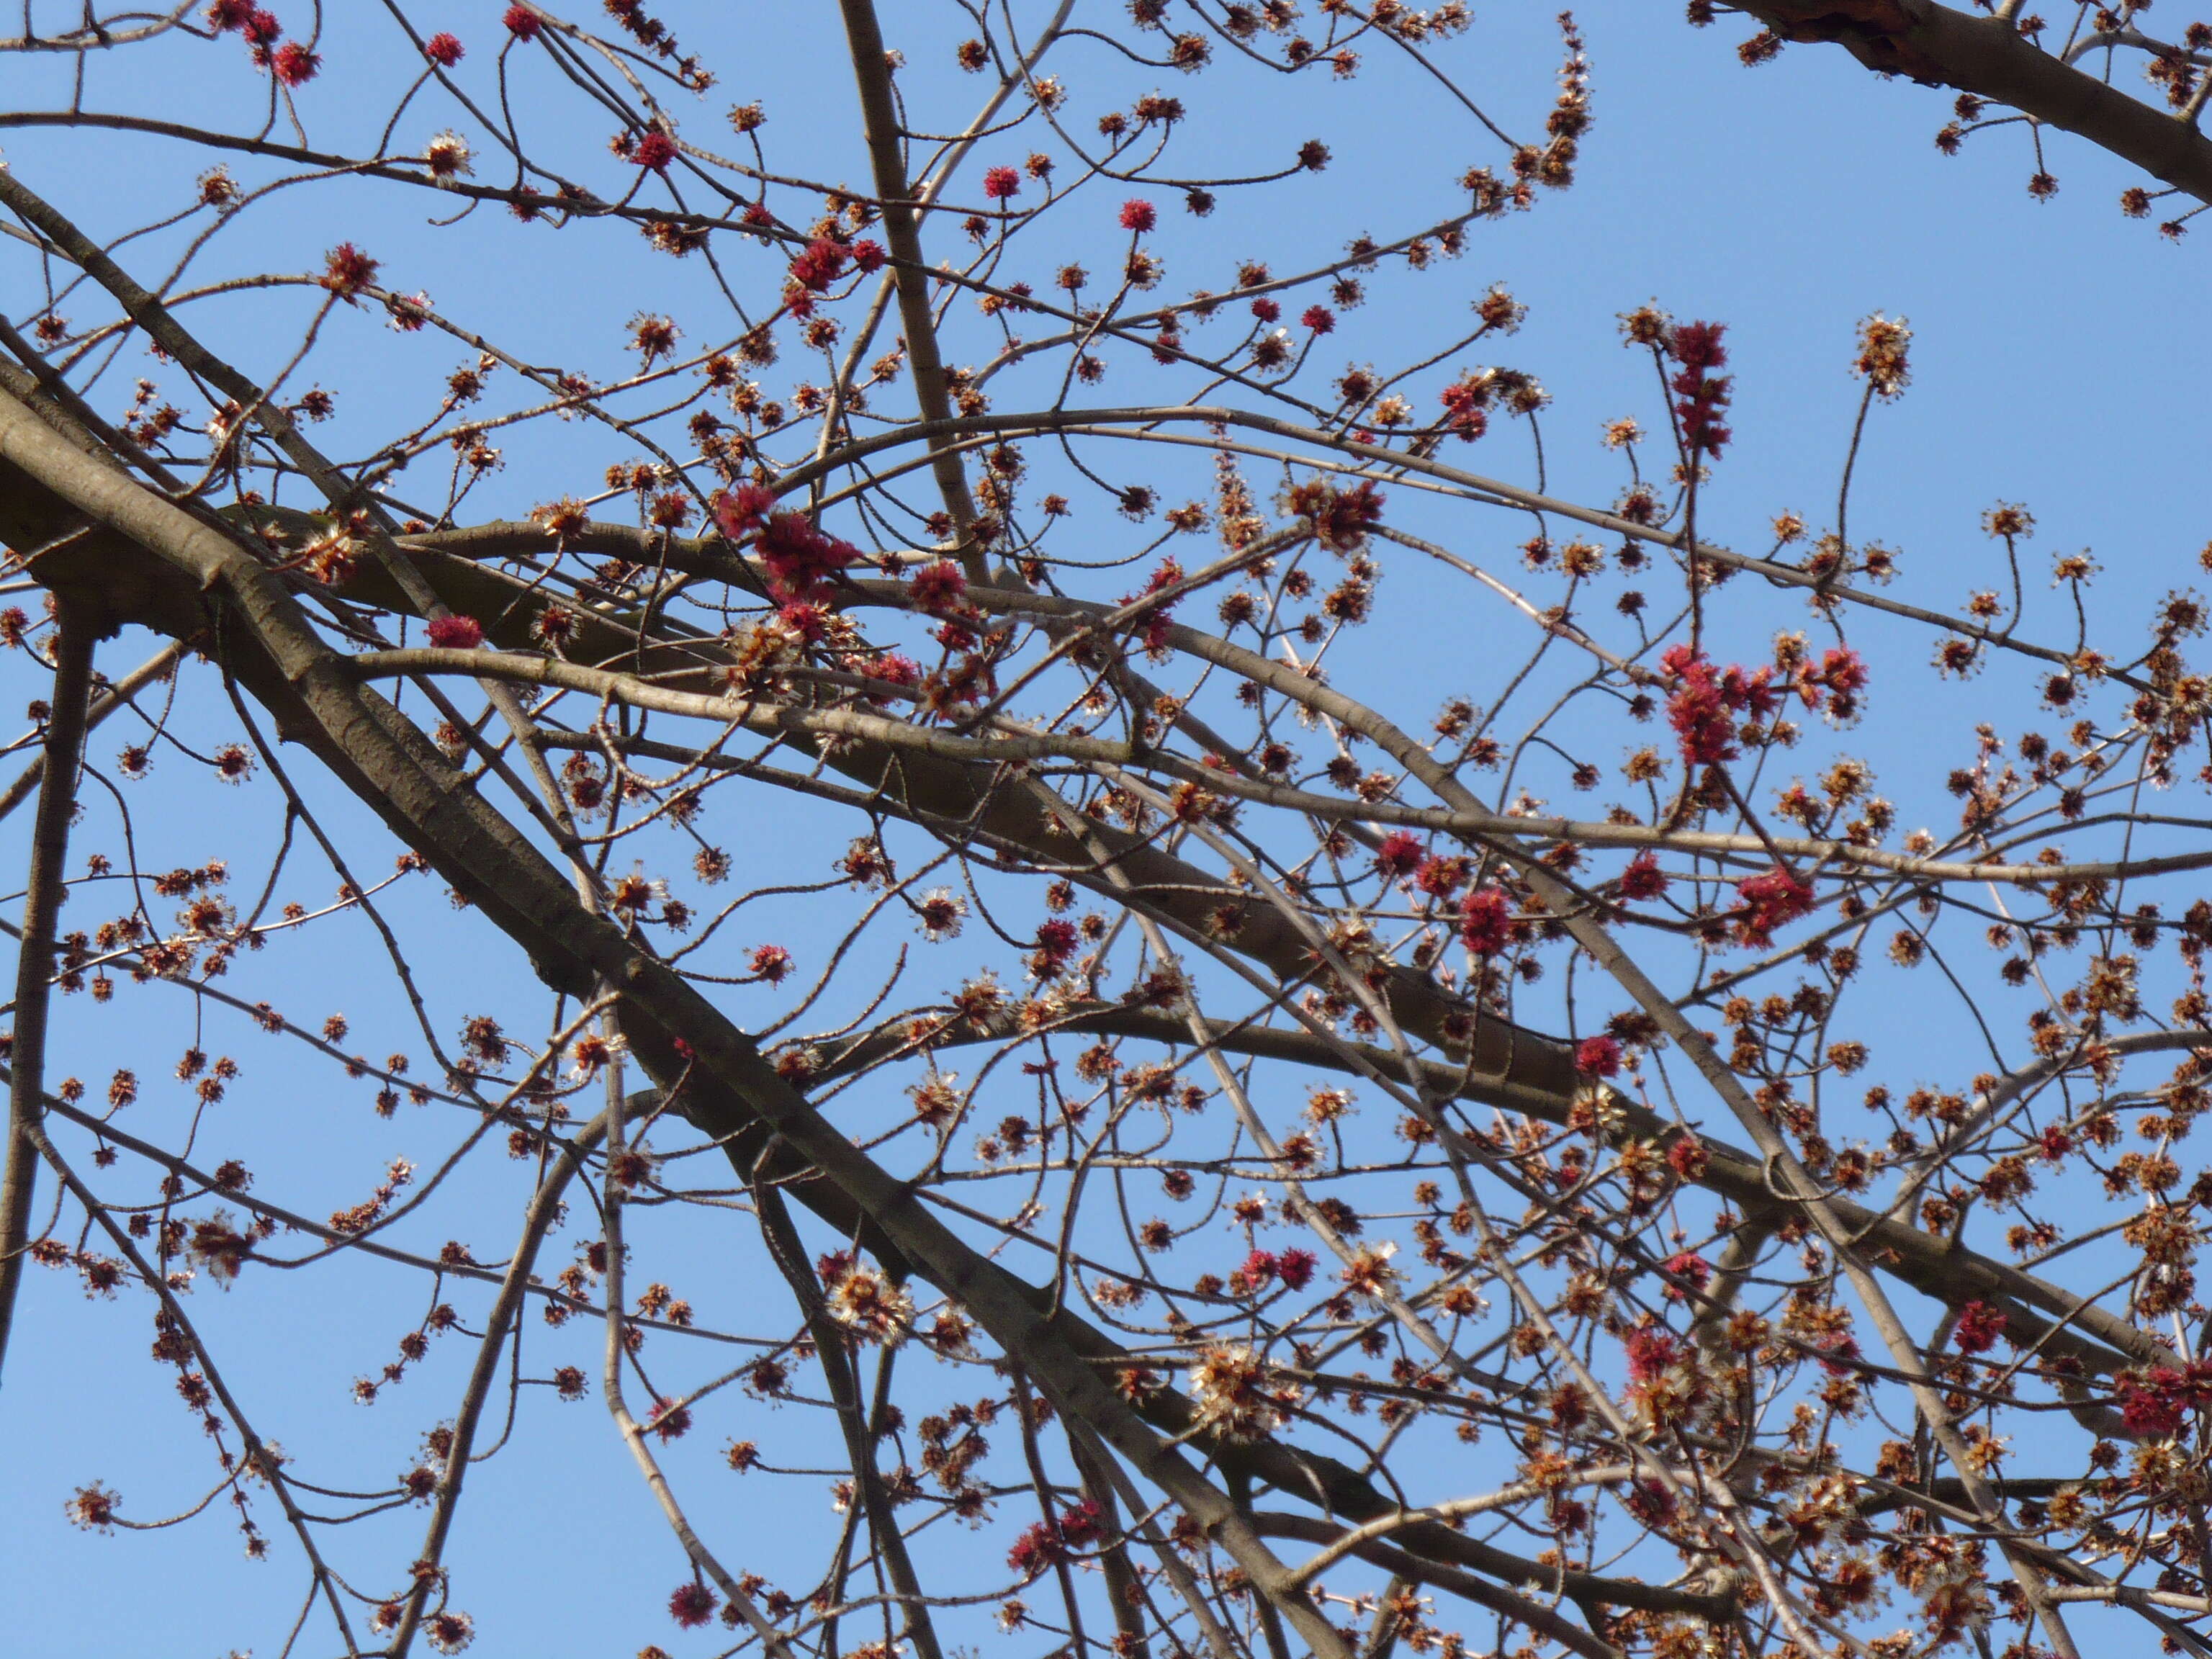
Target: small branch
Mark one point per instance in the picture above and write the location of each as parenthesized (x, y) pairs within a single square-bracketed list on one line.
[(34, 962)]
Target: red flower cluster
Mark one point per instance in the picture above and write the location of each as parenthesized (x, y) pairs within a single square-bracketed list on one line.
[(1139, 216), (999, 183), (1055, 941), (1045, 1543), (1320, 319), (1642, 879), (801, 559), (1770, 902), (1486, 921), (1690, 1268), (1467, 403), (1399, 854), (295, 64), (350, 270), (2159, 1400), (653, 150), (1597, 1056), (456, 633), (522, 22), (693, 1604), (1979, 1328), (1650, 1351), (1705, 700), (1295, 1267), (1341, 518), (1842, 675), (937, 587), (1702, 396), (819, 263), (443, 50)]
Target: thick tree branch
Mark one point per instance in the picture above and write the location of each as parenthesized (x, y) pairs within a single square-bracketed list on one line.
[(1939, 45)]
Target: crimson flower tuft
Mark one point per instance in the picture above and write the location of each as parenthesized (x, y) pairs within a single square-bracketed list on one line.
[(522, 22), (349, 270), (819, 263), (456, 633), (1702, 396), (1399, 854), (1650, 1351), (1689, 1266), (691, 1604), (1320, 319), (1597, 1056), (1769, 902), (444, 50), (1706, 698), (740, 511), (999, 183), (295, 64), (771, 963), (260, 29), (1295, 1267), (1979, 1327), (1486, 921), (1043, 1544), (799, 557), (1138, 216), (1642, 879), (937, 587), (868, 256), (1055, 940), (653, 150), (226, 15)]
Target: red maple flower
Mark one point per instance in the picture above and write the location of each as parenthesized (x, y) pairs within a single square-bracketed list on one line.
[(937, 587), (349, 270), (819, 263), (456, 633), (741, 511), (1138, 216), (1055, 940), (1650, 1351), (1597, 1056), (1399, 854), (999, 183), (1486, 921), (522, 22), (654, 149), (868, 256), (1689, 1266), (1642, 878), (799, 557), (443, 49), (295, 65), (1979, 1328), (1320, 319), (1702, 397), (1295, 1267), (691, 1604), (1770, 902)]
